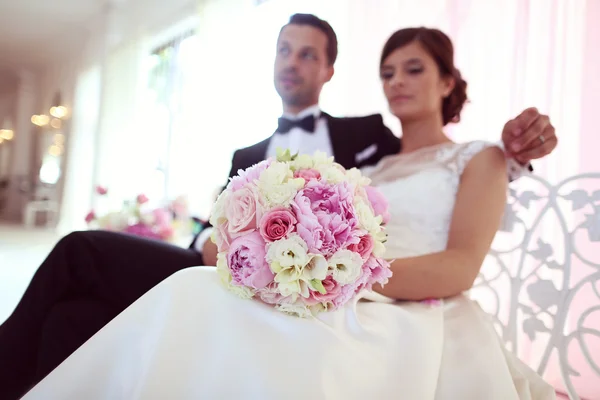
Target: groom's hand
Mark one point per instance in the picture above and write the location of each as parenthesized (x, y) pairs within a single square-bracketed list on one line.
[(529, 136)]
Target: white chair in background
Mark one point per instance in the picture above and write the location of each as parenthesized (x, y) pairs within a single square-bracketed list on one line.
[(44, 200), (541, 281)]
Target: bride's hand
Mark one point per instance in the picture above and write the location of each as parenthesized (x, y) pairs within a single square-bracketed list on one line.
[(529, 136)]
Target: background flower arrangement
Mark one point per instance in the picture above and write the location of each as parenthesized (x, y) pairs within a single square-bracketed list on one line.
[(137, 217)]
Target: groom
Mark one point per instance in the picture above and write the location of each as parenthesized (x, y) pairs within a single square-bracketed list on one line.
[(90, 277)]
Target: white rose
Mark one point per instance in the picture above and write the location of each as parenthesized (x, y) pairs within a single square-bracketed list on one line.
[(218, 210), (320, 159), (277, 173), (346, 266)]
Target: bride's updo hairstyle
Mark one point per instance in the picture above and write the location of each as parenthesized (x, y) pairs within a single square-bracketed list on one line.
[(440, 48)]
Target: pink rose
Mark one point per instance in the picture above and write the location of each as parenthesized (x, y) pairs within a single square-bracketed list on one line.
[(308, 174), (249, 175), (378, 202), (141, 198), (277, 224), (101, 190), (364, 247), (90, 216), (247, 263), (242, 211), (332, 289)]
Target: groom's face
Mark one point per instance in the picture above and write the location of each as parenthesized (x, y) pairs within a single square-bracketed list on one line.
[(301, 66)]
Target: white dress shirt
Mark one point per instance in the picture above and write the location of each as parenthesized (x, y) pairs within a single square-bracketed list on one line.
[(297, 140)]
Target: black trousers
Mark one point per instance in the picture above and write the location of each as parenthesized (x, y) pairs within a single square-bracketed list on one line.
[(87, 279)]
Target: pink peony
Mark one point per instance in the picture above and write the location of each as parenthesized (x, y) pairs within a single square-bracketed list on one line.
[(308, 174), (308, 227), (90, 216), (248, 175), (270, 295), (380, 271), (101, 190), (364, 247), (141, 198), (247, 263), (378, 202), (242, 211), (277, 224), (331, 199)]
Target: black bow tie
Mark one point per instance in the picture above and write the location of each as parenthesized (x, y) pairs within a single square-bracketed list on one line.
[(306, 124)]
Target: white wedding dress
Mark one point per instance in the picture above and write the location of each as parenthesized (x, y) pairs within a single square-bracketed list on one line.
[(189, 338)]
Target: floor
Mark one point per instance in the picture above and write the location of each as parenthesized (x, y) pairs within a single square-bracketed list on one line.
[(21, 251)]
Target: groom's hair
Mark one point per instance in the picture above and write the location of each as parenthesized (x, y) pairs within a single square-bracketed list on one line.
[(323, 26)]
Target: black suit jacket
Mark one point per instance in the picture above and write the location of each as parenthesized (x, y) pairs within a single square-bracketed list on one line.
[(356, 142)]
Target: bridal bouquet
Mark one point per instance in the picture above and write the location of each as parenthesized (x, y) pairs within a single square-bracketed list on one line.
[(300, 232)]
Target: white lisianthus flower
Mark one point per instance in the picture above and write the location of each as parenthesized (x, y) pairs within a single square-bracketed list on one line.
[(355, 177), (378, 249), (315, 269), (345, 266), (333, 173), (320, 159), (366, 217), (299, 310), (302, 161), (217, 214), (225, 276), (287, 259)]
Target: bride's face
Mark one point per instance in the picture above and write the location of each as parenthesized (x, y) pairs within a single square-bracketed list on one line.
[(412, 83)]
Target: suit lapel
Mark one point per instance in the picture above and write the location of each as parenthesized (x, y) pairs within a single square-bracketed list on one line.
[(341, 149)]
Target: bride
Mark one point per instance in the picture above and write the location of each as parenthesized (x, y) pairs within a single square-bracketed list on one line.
[(189, 338)]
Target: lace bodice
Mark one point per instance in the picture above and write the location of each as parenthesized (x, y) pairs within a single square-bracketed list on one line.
[(421, 189)]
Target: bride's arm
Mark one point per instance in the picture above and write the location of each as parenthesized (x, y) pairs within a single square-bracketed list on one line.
[(480, 203)]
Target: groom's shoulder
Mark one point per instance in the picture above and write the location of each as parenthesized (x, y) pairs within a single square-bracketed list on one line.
[(371, 120)]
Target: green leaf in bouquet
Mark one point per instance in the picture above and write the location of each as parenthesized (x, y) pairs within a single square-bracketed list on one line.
[(318, 286), (285, 155)]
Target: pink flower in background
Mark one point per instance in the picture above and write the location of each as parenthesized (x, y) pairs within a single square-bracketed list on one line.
[(142, 230), (90, 216), (162, 217), (277, 224), (364, 247), (101, 190), (247, 263), (249, 175), (307, 174), (378, 202), (166, 231), (242, 211), (141, 198)]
